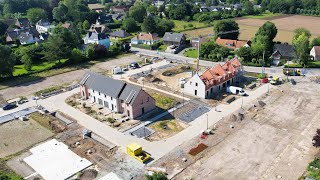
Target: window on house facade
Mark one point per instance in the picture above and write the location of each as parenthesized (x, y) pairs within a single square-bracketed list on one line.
[(99, 93), (92, 90), (195, 92), (105, 96), (111, 98), (196, 84)]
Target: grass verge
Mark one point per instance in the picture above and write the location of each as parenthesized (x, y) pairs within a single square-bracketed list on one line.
[(192, 53), (313, 64), (185, 26), (163, 101), (264, 15), (42, 119)]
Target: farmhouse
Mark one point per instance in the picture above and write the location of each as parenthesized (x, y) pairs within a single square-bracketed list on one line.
[(116, 95), (145, 38), (233, 44), (214, 80), (282, 51), (176, 39), (315, 53)]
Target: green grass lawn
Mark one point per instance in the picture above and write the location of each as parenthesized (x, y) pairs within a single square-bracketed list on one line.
[(184, 25), (313, 64), (163, 101), (266, 14), (163, 48), (20, 70), (193, 53)]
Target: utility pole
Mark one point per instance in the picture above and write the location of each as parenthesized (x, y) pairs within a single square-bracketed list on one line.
[(263, 62), (198, 53), (207, 121)]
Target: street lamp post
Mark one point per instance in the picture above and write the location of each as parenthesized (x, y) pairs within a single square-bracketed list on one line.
[(207, 121)]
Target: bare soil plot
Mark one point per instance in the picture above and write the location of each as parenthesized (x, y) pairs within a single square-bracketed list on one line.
[(18, 135), (274, 141)]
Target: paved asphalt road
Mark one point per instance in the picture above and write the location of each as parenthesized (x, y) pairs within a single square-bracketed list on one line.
[(269, 70)]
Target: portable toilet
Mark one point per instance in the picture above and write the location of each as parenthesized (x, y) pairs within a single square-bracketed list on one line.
[(134, 149)]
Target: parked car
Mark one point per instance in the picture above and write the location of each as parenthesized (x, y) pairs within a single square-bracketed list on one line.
[(9, 106), (35, 98), (236, 90), (264, 80), (134, 65)]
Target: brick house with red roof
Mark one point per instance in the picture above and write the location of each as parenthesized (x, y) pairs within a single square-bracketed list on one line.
[(215, 79), (233, 44)]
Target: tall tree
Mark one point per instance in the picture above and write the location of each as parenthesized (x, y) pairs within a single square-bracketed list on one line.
[(315, 42), (138, 12), (35, 14), (224, 29), (149, 25), (60, 13), (130, 25), (165, 25), (301, 46), (7, 61)]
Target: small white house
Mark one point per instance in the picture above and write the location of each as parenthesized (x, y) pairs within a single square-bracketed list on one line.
[(44, 26), (315, 53)]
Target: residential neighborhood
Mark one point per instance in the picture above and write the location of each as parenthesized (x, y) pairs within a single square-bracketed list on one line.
[(157, 90)]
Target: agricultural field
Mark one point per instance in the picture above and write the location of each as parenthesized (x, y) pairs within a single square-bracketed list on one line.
[(285, 24), (184, 25)]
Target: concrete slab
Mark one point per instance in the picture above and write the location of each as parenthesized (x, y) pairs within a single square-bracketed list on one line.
[(54, 161)]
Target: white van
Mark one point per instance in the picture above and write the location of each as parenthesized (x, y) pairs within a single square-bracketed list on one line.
[(116, 70), (236, 90)]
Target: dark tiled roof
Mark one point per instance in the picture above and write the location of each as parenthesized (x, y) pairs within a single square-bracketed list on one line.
[(95, 36), (106, 18), (173, 37), (284, 49), (130, 93), (120, 34), (103, 84), (24, 22)]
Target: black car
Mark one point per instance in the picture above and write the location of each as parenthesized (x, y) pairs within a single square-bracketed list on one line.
[(9, 106), (134, 65)]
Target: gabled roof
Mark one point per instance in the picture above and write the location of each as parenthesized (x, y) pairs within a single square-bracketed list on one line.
[(105, 18), (99, 28), (43, 22), (284, 49), (232, 44), (173, 37), (103, 84), (120, 34), (146, 37), (24, 22), (95, 36), (130, 93), (316, 50), (111, 87), (217, 74), (24, 37), (13, 34)]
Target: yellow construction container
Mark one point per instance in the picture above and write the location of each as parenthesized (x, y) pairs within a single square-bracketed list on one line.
[(135, 150)]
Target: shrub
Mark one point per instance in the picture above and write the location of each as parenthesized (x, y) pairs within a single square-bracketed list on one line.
[(261, 76)]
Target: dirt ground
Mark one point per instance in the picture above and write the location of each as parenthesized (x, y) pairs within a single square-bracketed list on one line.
[(274, 139), (17, 135), (65, 78)]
